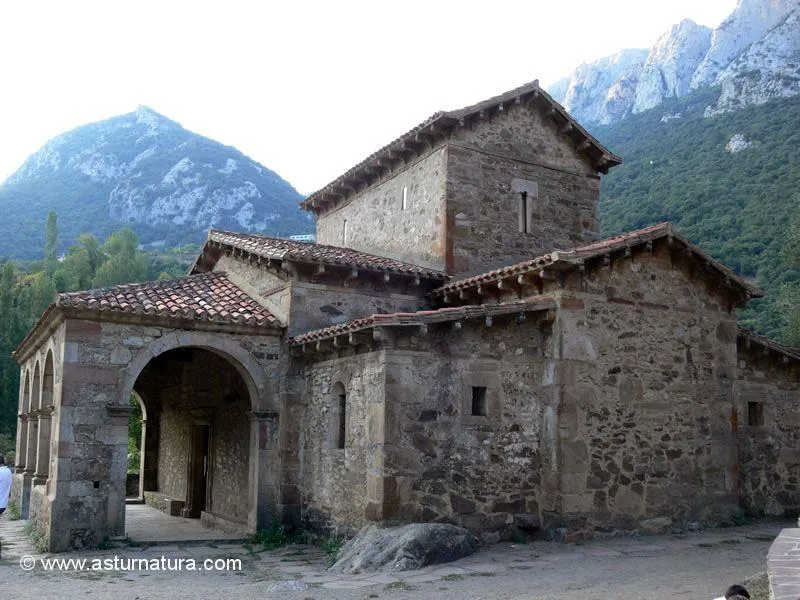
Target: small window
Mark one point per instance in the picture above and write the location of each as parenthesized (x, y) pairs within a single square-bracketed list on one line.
[(755, 414), (404, 203), (344, 232), (524, 220), (342, 436), (478, 401)]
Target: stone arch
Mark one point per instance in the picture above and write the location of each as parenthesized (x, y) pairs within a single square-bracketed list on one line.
[(25, 390), (44, 413), (48, 386), (262, 396), (36, 387)]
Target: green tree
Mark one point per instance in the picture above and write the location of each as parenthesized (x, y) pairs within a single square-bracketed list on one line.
[(790, 296), (125, 264), (51, 240)]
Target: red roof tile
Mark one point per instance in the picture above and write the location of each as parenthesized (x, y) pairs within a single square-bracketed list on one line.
[(281, 249), (205, 297), (578, 255), (423, 317)]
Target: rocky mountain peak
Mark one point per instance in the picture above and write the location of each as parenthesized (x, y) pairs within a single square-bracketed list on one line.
[(754, 55), (145, 170)]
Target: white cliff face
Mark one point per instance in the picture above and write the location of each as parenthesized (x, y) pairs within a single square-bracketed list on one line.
[(747, 24), (753, 55), (602, 91), (769, 68), (668, 71)]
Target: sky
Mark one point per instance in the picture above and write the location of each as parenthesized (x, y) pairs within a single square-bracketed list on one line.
[(306, 88)]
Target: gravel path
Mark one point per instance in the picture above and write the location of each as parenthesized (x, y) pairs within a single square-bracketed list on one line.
[(697, 565)]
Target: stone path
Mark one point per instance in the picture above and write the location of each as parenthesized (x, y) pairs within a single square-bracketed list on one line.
[(692, 566), (147, 525), (784, 565)]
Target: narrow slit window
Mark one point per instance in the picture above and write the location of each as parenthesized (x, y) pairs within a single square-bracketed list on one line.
[(478, 401), (344, 232), (342, 434), (755, 414), (404, 203), (523, 212)]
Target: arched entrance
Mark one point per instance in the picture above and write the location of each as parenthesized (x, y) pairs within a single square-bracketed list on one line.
[(197, 436)]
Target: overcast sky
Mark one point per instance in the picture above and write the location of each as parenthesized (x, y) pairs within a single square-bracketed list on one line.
[(305, 88)]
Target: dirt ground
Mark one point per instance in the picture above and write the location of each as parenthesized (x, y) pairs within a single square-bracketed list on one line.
[(694, 565)]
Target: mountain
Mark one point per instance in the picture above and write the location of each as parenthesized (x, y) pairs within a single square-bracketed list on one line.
[(145, 171), (754, 55), (730, 183)]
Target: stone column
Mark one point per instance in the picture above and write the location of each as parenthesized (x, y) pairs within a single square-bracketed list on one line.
[(264, 467), (22, 443), (43, 445), (33, 437)]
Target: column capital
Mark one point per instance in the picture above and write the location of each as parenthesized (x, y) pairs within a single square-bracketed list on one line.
[(263, 415)]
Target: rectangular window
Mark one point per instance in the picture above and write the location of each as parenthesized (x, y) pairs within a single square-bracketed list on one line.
[(755, 414), (524, 225), (478, 401), (344, 232)]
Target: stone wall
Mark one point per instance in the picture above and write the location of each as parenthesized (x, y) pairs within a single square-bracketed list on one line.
[(333, 481), (377, 223), (489, 166), (767, 400), (270, 290), (648, 356), (314, 306), (486, 472)]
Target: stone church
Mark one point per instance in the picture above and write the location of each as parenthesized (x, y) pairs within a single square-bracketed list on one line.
[(458, 346)]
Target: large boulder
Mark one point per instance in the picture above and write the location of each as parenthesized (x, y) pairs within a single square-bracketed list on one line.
[(404, 548)]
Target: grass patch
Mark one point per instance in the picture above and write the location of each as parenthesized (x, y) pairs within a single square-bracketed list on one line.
[(453, 577), (331, 547), (13, 511), (275, 536), (399, 585), (40, 542), (482, 574)]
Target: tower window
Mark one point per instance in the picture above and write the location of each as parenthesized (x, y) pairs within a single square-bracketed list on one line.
[(755, 414), (524, 213), (344, 232), (479, 401), (404, 203)]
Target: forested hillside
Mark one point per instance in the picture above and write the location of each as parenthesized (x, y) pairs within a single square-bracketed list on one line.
[(737, 205), (27, 288)]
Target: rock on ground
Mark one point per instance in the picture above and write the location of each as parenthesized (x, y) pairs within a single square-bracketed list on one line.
[(404, 548)]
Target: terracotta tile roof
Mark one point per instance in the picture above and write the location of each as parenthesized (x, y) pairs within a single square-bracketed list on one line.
[(578, 255), (281, 249), (206, 297), (447, 120), (424, 317), (751, 337)]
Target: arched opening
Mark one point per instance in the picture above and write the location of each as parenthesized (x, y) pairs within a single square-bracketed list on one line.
[(339, 416), (195, 438), (137, 452), (22, 425), (45, 412), (33, 421)]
